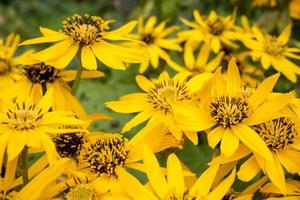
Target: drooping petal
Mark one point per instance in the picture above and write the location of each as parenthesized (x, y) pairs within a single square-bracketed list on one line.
[(229, 143), (175, 176), (248, 169), (88, 59)]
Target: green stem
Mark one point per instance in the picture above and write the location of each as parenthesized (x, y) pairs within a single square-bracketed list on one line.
[(24, 165), (77, 80)]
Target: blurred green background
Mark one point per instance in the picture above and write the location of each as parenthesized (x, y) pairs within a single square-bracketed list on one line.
[(25, 17)]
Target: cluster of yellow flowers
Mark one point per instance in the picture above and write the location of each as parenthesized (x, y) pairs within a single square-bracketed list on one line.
[(218, 89)]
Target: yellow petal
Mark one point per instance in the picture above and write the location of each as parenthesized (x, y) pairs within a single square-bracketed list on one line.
[(175, 176), (276, 173), (266, 61), (220, 191), (290, 160), (135, 102), (15, 145), (144, 83), (138, 119), (233, 81), (88, 59), (230, 143), (262, 91), (133, 187), (203, 185), (249, 169), (252, 140), (155, 176), (215, 44), (123, 30), (215, 136), (106, 57), (285, 35)]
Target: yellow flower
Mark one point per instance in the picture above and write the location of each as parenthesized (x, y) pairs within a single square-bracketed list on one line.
[(26, 124), (201, 63), (157, 42), (174, 187), (88, 36), (274, 51), (156, 102), (214, 30), (228, 111), (9, 65), (281, 137), (294, 9), (104, 153), (37, 77)]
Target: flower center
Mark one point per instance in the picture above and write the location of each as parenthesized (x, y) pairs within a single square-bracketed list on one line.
[(216, 27), (85, 30), (24, 117), (273, 47), (278, 133), (165, 92), (41, 73), (69, 144), (82, 192), (229, 111), (148, 38), (105, 154)]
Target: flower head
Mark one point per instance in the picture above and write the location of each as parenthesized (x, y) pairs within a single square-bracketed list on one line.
[(157, 42), (274, 51), (89, 35), (228, 110)]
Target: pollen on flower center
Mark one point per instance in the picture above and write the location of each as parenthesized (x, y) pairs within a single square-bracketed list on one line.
[(69, 144), (41, 73), (216, 27), (85, 29), (165, 92), (278, 133), (105, 154), (229, 111), (148, 38), (24, 117), (273, 47), (82, 191)]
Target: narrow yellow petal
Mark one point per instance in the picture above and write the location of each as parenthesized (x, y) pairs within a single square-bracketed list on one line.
[(249, 169), (233, 81), (203, 185), (138, 119), (106, 57), (215, 136), (144, 83), (215, 44), (175, 176), (290, 160), (88, 59), (155, 176), (285, 35), (252, 140), (220, 191), (276, 173), (229, 143), (15, 145)]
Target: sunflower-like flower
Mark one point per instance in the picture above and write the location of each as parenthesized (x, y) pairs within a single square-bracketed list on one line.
[(174, 187), (9, 65), (37, 77), (157, 41), (89, 36), (229, 110), (104, 153), (273, 51), (201, 63), (25, 124), (214, 30), (156, 102)]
